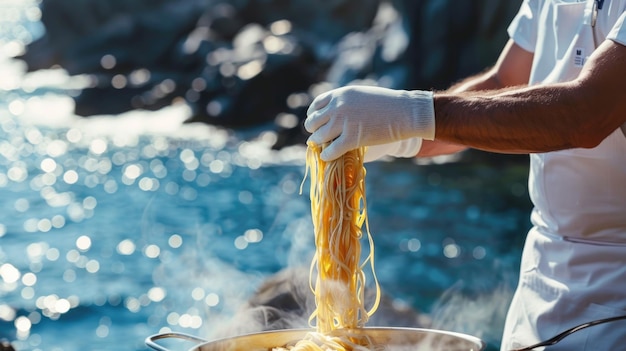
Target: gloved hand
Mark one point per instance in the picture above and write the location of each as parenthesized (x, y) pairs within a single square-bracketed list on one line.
[(406, 148), (354, 116)]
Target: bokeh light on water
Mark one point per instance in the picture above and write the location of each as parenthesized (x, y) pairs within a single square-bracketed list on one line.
[(125, 236), (114, 228)]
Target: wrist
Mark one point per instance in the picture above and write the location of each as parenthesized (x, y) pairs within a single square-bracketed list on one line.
[(422, 113)]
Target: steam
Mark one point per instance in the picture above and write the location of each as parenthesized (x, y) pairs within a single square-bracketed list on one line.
[(481, 315), (285, 301)]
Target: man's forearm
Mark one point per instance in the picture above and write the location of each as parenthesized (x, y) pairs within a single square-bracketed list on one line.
[(522, 120), (484, 82), (540, 118)]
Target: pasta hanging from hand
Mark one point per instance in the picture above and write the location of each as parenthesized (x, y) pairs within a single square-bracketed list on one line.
[(339, 211)]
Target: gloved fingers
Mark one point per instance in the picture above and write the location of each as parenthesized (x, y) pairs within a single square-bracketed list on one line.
[(315, 120), (336, 148), (320, 101), (316, 116), (325, 133)]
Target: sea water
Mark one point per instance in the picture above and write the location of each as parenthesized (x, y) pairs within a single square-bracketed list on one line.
[(114, 228)]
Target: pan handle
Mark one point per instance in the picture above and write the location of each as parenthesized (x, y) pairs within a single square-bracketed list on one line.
[(150, 341)]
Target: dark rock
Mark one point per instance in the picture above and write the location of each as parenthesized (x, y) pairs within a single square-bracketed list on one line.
[(243, 100), (6, 346), (240, 63), (109, 100), (423, 44), (326, 21), (451, 40), (290, 129), (68, 23)]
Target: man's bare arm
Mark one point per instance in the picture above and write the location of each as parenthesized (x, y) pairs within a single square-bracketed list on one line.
[(511, 69), (542, 118)]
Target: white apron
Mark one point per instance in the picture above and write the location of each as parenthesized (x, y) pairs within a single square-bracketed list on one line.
[(573, 267)]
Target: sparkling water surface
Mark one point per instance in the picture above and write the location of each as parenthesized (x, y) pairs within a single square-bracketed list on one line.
[(114, 228)]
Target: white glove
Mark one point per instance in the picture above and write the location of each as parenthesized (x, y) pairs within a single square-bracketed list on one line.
[(356, 116), (406, 148)]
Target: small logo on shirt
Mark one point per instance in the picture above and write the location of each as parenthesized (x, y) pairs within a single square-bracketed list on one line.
[(579, 57)]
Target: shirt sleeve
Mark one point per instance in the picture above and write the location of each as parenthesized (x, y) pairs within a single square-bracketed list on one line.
[(618, 33), (523, 28)]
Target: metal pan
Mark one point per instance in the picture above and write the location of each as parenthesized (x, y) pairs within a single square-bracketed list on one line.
[(414, 339)]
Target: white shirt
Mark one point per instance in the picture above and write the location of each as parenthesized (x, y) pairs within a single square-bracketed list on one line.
[(578, 193), (573, 267)]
